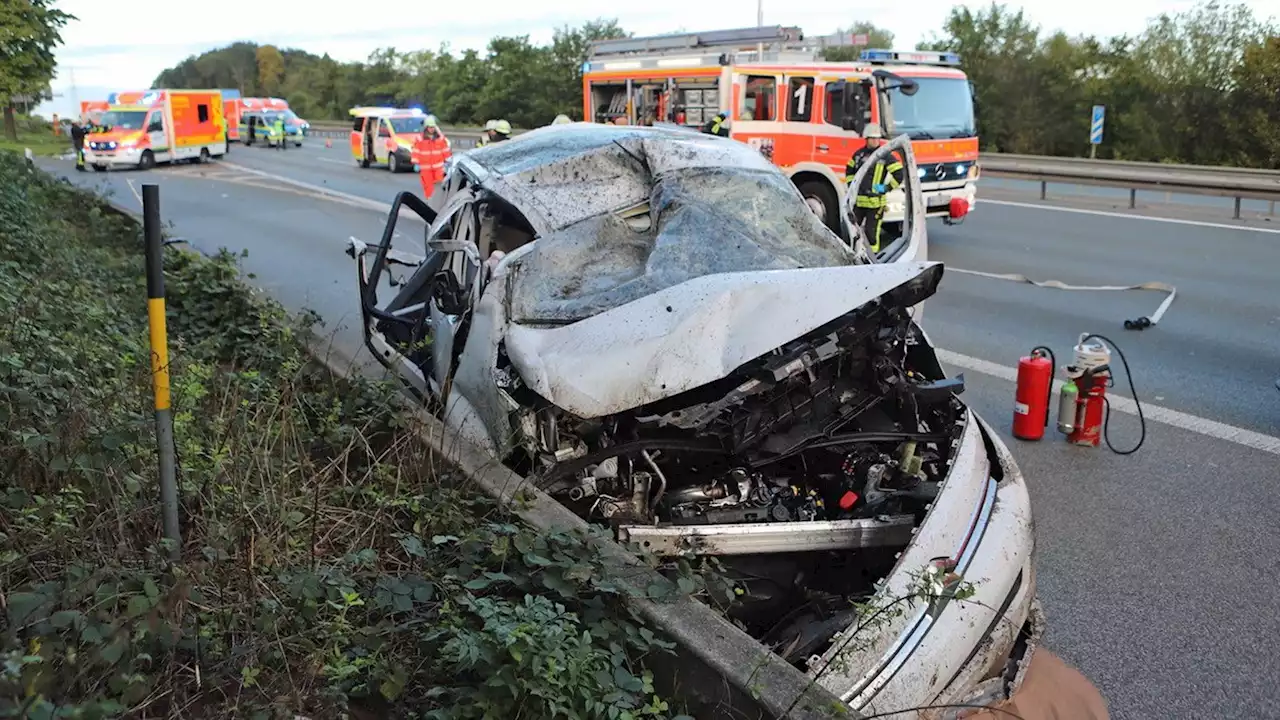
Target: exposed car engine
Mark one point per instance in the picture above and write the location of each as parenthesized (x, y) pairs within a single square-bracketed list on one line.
[(835, 425), (838, 425)]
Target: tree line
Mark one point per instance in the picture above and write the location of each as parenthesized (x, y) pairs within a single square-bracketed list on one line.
[(1202, 86), (30, 30)]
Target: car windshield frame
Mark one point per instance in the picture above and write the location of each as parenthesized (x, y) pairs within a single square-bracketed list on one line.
[(941, 109), (125, 119)]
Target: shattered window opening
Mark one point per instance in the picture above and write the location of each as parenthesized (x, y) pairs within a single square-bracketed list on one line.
[(712, 210)]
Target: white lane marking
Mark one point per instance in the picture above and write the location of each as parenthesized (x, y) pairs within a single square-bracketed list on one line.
[(1152, 218), (353, 199), (134, 190), (1181, 420)]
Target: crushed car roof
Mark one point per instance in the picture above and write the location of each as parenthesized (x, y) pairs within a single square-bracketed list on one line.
[(623, 212)]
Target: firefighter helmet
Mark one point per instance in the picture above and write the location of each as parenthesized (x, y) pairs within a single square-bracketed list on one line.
[(561, 119), (502, 127)]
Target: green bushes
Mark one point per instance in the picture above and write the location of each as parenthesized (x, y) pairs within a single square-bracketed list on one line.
[(332, 567)]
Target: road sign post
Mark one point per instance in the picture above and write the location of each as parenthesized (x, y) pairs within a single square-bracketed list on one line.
[(1095, 129), (160, 367)]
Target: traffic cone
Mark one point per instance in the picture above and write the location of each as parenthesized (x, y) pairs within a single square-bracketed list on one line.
[(328, 142)]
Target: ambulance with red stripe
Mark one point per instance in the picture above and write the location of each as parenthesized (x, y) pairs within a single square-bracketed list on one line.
[(140, 129), (385, 135), (807, 115)]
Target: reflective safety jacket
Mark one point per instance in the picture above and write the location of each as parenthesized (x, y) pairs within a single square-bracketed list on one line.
[(882, 178), (715, 126), (429, 153)]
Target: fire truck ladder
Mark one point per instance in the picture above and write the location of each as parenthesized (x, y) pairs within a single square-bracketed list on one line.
[(743, 38)]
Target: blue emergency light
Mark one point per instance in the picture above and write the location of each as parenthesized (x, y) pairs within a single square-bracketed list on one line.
[(911, 57)]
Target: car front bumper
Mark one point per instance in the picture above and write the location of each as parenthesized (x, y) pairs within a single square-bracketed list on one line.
[(937, 200), (918, 651), (123, 156)]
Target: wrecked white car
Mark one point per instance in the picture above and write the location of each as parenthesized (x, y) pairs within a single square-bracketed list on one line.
[(655, 328)]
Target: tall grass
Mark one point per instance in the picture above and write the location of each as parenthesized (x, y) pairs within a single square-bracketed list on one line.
[(331, 565)]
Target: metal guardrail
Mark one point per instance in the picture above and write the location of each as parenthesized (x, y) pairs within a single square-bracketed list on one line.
[(1236, 183)]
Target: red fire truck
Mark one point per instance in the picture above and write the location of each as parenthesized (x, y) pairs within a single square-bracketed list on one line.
[(806, 114)]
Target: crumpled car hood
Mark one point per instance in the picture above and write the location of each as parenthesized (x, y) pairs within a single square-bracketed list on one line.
[(686, 336), (706, 205)]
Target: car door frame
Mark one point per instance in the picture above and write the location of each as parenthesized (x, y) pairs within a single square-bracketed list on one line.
[(913, 243), (418, 294)]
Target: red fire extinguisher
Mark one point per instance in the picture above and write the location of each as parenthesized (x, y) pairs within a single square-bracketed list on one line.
[(1090, 401), (1034, 390), (1082, 401)]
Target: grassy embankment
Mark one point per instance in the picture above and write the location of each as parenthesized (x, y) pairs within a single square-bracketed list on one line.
[(37, 134), (330, 566)]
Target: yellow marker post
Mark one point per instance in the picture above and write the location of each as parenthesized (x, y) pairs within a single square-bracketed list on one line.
[(160, 366)]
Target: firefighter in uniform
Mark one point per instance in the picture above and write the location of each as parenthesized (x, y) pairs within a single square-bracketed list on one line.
[(277, 129), (486, 137), (429, 154), (870, 201), (78, 131), (501, 131), (716, 126)]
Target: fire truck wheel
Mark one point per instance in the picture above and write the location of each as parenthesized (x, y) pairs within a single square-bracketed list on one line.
[(822, 200), (393, 163), (148, 160), (204, 156)]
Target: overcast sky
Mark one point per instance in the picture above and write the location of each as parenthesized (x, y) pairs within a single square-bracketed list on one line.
[(108, 49)]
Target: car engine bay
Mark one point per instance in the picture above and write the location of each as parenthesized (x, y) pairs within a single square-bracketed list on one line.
[(804, 472)]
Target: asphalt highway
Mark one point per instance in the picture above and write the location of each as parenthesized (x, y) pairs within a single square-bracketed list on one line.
[(1150, 566)]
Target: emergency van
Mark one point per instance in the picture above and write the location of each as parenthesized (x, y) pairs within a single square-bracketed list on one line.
[(805, 114), (264, 112), (385, 135), (140, 129), (93, 109)]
